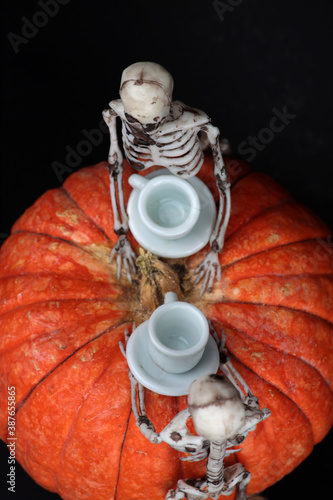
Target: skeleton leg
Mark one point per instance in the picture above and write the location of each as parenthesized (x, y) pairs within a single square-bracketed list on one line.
[(125, 254), (137, 392), (212, 485)]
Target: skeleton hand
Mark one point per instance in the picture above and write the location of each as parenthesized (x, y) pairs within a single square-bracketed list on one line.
[(176, 435), (125, 256), (209, 269)]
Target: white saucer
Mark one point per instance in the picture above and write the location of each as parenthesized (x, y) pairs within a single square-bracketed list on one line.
[(154, 378), (182, 247)]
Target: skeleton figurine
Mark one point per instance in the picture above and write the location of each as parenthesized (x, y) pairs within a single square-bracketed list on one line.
[(222, 415), (159, 131)]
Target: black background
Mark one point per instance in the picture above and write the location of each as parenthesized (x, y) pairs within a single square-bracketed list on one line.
[(237, 66)]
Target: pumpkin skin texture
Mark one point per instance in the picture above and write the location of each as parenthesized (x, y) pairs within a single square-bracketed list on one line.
[(63, 313)]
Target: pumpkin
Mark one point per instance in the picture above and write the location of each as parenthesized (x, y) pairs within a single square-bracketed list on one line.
[(63, 313)]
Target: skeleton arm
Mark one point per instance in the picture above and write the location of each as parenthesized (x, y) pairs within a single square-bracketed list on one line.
[(223, 184), (115, 155), (210, 268), (176, 435), (122, 248)]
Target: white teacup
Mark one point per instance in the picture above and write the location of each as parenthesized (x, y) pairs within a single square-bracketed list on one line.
[(178, 334), (168, 206)]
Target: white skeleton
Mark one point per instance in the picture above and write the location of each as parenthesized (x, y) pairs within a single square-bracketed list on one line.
[(219, 480), (159, 131)]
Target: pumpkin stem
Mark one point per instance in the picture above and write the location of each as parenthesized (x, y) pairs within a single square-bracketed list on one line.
[(145, 263), (158, 278)]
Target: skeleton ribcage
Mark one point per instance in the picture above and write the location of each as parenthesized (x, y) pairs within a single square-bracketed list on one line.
[(179, 151)]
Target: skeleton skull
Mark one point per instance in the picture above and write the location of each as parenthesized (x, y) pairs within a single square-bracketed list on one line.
[(146, 92), (216, 408)]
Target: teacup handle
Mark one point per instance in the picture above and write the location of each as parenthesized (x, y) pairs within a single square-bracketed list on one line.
[(170, 297), (138, 181)]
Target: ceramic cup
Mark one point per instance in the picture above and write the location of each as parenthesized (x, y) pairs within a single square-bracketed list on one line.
[(168, 206), (178, 334)]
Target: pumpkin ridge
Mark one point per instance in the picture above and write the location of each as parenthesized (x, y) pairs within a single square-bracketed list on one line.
[(49, 334), (283, 394), (55, 274), (53, 283), (77, 414), (239, 179), (85, 214), (121, 453), (100, 299), (37, 253), (272, 208), (278, 337), (264, 362), (105, 332), (278, 275), (259, 214), (277, 305), (303, 360), (293, 295), (267, 250), (64, 240)]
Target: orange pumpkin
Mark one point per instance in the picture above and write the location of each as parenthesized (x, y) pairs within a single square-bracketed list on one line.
[(63, 313)]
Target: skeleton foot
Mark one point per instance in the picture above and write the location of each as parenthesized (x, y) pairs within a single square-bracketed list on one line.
[(190, 489), (209, 269), (236, 475), (125, 257)]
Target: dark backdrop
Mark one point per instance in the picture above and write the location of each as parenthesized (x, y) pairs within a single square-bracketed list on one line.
[(241, 61)]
